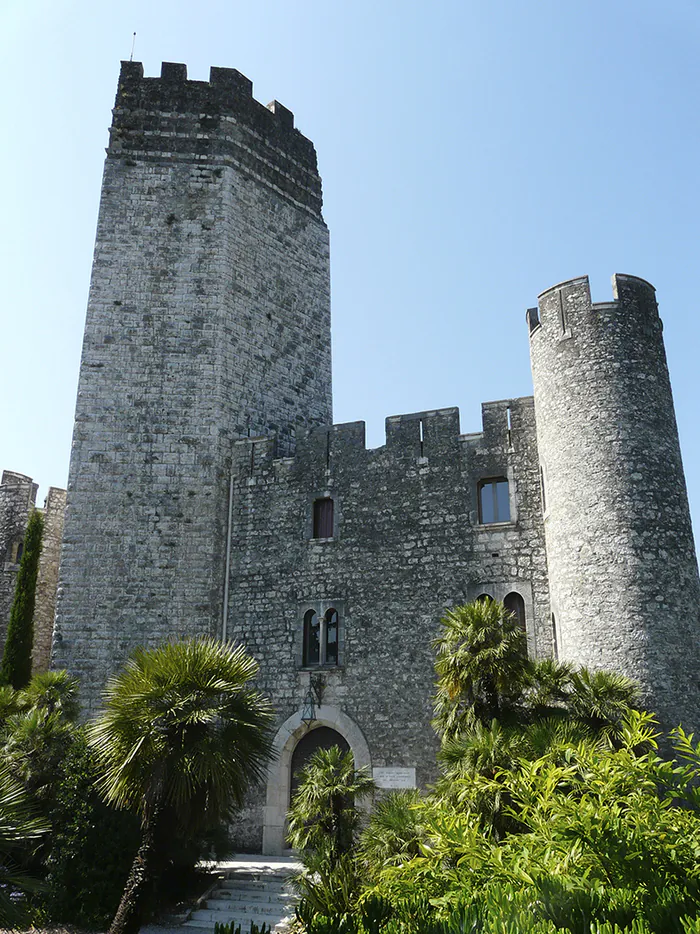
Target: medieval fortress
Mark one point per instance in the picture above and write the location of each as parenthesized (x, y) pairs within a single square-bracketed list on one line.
[(209, 491)]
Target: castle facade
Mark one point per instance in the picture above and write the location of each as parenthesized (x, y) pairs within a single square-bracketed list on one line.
[(210, 493)]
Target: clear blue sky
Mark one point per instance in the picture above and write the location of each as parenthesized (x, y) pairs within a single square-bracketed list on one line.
[(472, 154)]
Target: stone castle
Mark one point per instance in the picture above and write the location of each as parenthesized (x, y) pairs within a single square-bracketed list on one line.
[(209, 491)]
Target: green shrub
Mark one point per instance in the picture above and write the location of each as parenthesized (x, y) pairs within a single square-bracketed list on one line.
[(92, 846)]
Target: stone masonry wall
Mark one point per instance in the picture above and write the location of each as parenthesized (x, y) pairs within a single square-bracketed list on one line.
[(208, 320), (622, 566), (47, 578), (17, 499), (407, 544)]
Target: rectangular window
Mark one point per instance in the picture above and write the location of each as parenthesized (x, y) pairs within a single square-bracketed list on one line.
[(494, 501), (323, 518)]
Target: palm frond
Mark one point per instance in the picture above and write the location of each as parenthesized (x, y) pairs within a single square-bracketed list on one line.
[(183, 717)]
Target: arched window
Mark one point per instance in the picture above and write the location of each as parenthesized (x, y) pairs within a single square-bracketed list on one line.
[(331, 637), (515, 604), (312, 638), (321, 637), (19, 552), (323, 518), (484, 598), (494, 502)]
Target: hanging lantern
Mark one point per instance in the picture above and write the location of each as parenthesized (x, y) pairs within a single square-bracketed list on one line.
[(308, 710)]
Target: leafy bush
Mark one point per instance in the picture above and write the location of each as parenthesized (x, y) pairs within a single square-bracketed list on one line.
[(554, 810), (92, 845)]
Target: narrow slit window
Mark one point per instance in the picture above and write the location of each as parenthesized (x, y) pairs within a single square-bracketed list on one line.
[(323, 518), (544, 492), (555, 641), (312, 638), (562, 314), (494, 500)]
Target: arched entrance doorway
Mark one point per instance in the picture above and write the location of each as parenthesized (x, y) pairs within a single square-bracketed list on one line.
[(323, 737), (289, 736)]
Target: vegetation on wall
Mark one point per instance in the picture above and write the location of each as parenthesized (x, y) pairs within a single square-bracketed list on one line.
[(16, 667)]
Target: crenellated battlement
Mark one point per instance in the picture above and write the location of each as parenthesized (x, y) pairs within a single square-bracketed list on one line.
[(415, 437), (567, 305), (217, 122)]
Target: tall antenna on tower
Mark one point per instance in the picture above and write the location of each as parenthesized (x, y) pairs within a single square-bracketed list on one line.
[(133, 43)]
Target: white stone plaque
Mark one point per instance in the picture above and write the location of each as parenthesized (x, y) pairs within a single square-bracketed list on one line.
[(394, 776)]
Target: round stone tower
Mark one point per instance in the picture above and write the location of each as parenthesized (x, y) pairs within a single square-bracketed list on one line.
[(622, 567)]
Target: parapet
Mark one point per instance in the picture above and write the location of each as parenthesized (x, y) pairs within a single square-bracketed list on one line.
[(19, 486), (566, 305), (171, 117)]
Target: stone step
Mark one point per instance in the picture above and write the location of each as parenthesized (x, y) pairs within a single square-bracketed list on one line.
[(258, 898), (234, 882), (230, 891), (229, 886), (262, 895), (264, 908)]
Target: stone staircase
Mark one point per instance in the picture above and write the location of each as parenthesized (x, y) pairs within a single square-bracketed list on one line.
[(249, 891)]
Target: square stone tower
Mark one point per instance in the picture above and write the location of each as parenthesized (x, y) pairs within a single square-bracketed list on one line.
[(208, 321)]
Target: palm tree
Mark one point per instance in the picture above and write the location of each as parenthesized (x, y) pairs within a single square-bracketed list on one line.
[(481, 666), (549, 687), (324, 818), (183, 733), (602, 699), (394, 831), (53, 692), (20, 828)]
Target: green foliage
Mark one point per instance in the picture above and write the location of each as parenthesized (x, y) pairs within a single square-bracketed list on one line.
[(20, 830), (92, 845), (601, 699), (182, 736), (324, 822), (182, 723), (393, 833), (53, 692), (480, 666), (328, 889), (37, 731), (554, 811), (602, 838), (16, 667), (232, 928), (324, 819)]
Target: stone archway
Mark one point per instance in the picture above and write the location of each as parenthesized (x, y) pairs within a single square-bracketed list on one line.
[(279, 774)]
